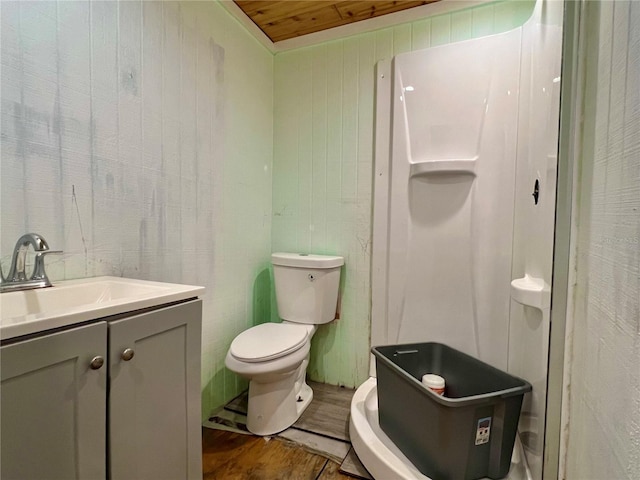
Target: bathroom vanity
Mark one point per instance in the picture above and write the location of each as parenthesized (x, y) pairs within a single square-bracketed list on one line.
[(105, 386)]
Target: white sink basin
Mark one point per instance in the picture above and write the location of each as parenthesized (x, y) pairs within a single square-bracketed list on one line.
[(74, 301)]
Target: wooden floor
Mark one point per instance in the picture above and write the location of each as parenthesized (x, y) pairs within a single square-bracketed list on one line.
[(234, 456), (321, 432)]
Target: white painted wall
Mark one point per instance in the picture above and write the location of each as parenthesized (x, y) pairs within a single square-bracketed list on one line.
[(604, 404), (137, 137)]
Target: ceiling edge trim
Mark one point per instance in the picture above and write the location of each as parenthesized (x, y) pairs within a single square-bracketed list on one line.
[(236, 12)]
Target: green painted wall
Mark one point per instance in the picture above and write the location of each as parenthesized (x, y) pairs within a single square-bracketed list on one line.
[(323, 161)]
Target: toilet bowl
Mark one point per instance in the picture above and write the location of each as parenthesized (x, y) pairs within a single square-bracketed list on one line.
[(274, 356)]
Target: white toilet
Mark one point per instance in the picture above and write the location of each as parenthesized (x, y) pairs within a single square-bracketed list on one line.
[(274, 356)]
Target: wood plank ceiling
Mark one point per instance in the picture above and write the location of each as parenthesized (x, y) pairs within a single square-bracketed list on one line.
[(290, 18)]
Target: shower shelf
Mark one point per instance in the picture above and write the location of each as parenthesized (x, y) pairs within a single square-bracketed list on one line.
[(532, 292), (440, 167)]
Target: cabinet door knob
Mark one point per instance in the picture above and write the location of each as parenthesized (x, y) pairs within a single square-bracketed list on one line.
[(127, 354), (96, 362)]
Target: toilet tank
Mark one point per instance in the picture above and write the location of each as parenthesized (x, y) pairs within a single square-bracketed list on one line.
[(306, 286)]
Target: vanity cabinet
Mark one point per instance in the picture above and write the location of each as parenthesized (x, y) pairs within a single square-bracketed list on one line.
[(154, 401), (53, 406), (136, 416)]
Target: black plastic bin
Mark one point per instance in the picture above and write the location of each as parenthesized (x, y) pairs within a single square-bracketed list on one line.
[(466, 434)]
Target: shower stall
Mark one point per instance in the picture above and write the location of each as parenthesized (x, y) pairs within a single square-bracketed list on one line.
[(465, 184)]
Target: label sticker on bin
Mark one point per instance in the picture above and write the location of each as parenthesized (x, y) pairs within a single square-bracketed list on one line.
[(484, 431)]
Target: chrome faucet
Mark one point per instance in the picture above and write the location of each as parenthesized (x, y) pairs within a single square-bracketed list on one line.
[(17, 278)]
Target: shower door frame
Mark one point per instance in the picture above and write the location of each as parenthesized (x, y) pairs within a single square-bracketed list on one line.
[(572, 68), (573, 74)]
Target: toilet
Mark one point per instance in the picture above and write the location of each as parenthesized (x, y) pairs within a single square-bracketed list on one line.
[(274, 356)]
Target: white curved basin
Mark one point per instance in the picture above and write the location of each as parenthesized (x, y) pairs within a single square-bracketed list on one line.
[(380, 455), (66, 303)]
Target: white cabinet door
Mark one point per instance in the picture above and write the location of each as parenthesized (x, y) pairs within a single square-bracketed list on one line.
[(53, 406), (154, 399)]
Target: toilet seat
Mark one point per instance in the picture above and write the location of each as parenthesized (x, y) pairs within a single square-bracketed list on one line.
[(268, 341)]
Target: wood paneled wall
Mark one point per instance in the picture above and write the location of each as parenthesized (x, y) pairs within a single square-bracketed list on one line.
[(604, 429), (137, 137)]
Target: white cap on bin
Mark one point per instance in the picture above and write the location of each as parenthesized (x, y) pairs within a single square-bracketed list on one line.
[(433, 381)]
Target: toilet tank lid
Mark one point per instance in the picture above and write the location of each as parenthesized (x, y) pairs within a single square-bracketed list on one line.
[(306, 260)]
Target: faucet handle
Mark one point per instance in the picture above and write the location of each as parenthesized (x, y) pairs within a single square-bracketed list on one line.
[(38, 269)]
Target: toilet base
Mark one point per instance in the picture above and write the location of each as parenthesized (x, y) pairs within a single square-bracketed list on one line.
[(276, 405)]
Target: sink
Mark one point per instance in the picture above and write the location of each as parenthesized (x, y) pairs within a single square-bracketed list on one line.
[(75, 301)]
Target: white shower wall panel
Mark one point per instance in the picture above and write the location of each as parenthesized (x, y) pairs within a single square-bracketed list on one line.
[(451, 206)]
